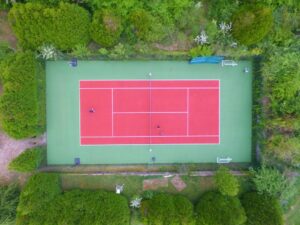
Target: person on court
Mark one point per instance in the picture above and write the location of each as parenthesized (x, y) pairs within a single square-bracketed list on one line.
[(92, 110), (159, 130)]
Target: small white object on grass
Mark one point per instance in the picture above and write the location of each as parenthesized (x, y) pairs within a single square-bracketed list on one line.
[(136, 203), (119, 188)]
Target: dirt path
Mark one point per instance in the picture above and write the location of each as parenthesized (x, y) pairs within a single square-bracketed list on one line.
[(6, 33), (9, 149)]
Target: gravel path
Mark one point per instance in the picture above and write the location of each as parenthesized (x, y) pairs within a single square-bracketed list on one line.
[(9, 149)]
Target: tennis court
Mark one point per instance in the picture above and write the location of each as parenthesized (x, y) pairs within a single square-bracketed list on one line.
[(137, 112), (149, 112)]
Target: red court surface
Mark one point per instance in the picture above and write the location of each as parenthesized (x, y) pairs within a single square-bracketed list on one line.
[(149, 112)]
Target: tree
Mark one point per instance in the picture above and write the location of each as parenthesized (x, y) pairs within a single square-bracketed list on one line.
[(269, 181), (145, 26), (227, 184), (261, 209), (252, 23), (63, 26), (165, 209), (106, 28), (216, 209)]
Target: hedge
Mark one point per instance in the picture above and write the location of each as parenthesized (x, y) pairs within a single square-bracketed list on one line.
[(217, 209), (29, 160), (81, 207), (165, 209), (252, 23), (43, 203), (36, 197), (261, 209), (22, 104), (63, 26), (106, 28)]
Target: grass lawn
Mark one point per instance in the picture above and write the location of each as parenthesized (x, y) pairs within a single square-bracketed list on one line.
[(133, 185), (293, 216)]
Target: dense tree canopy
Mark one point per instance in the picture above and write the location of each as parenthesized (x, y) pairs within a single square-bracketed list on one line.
[(217, 209), (165, 209), (252, 23), (63, 26), (261, 209)]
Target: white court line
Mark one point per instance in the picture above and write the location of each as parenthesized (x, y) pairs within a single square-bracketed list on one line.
[(160, 136), (150, 112), (219, 112), (112, 110), (188, 110), (147, 88), (174, 80)]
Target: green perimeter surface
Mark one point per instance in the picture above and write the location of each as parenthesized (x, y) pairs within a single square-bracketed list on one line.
[(63, 112)]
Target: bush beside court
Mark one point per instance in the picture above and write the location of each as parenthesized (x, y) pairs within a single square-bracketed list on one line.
[(43, 202), (226, 183), (214, 208), (22, 104), (29, 160), (261, 209), (106, 28), (64, 26), (252, 23), (166, 209)]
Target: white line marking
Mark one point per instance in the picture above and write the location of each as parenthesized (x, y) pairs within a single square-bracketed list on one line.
[(146, 88), (219, 112), (150, 136), (188, 110), (152, 80), (112, 112), (112, 145), (150, 112), (79, 113)]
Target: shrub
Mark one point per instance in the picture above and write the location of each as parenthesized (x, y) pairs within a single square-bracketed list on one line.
[(184, 210), (22, 104), (227, 184), (201, 50), (252, 23), (284, 148), (269, 181), (145, 26), (36, 197), (221, 10), (164, 209), (281, 73), (28, 160), (106, 28), (261, 209), (42, 203), (79, 207), (5, 50), (63, 26), (9, 198), (48, 2), (81, 51), (216, 209)]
